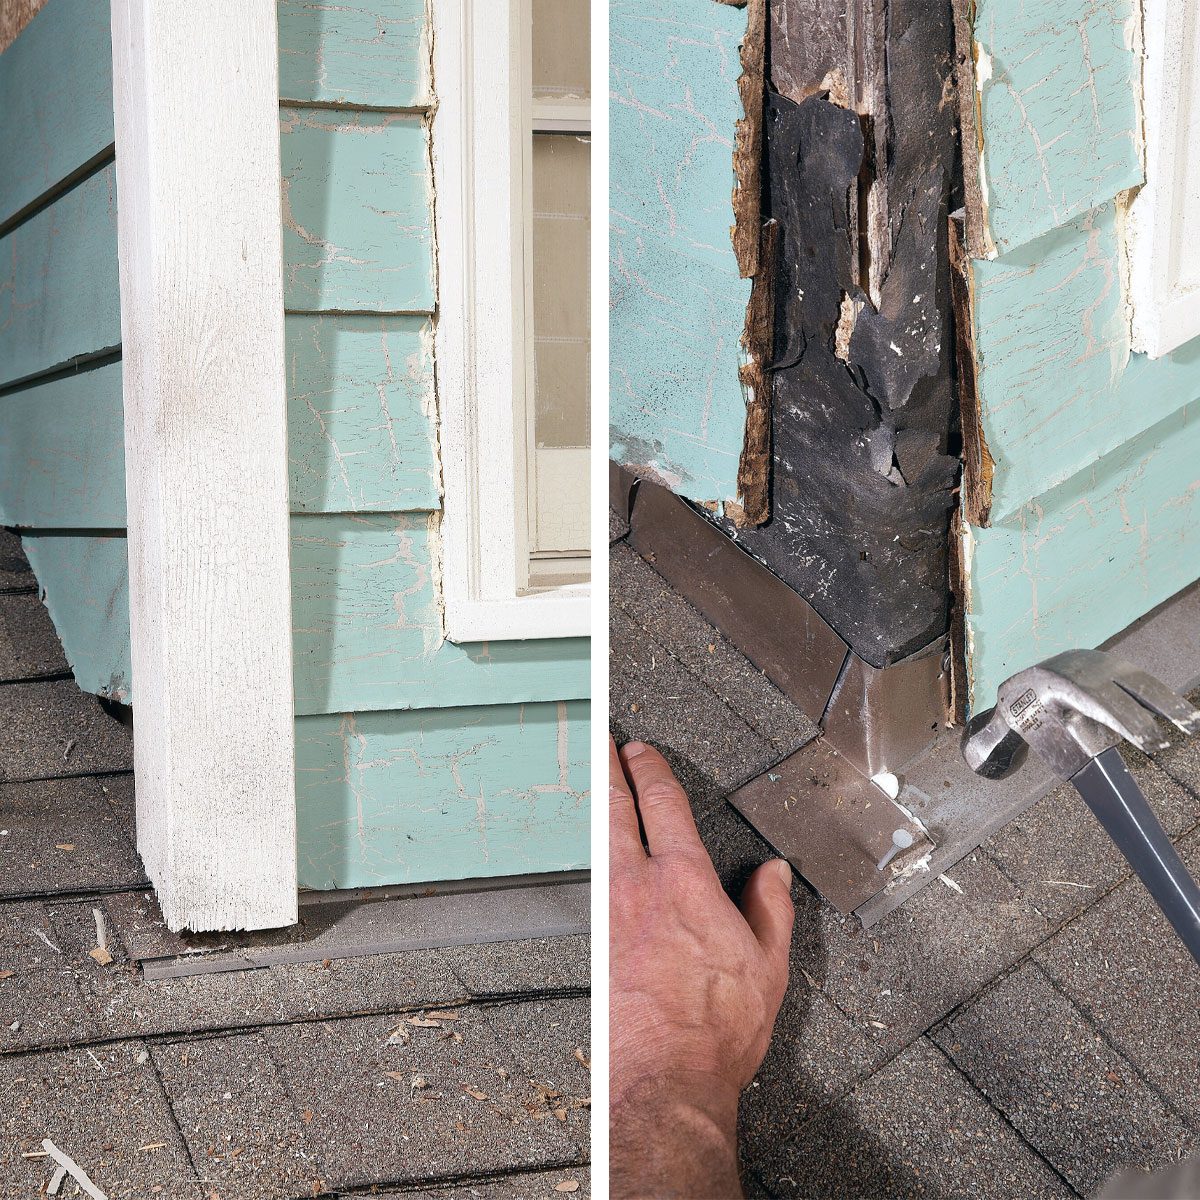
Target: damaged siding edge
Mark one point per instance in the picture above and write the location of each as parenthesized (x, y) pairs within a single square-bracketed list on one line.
[(970, 94), (754, 466), (747, 144), (754, 246), (976, 494)]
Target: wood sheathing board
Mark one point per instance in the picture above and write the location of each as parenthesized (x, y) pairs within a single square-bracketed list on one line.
[(861, 162)]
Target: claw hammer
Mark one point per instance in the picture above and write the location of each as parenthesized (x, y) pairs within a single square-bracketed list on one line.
[(1074, 709)]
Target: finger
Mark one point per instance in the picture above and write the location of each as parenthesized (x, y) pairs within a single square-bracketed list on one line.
[(624, 837), (661, 802), (768, 909)]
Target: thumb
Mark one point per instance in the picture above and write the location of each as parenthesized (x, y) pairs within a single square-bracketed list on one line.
[(767, 907)]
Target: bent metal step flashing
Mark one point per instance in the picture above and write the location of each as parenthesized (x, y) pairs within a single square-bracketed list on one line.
[(820, 807)]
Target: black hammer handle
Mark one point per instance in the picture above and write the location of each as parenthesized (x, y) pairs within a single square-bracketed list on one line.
[(1114, 796)]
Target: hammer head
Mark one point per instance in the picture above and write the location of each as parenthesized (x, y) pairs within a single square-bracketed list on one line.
[(1070, 709)]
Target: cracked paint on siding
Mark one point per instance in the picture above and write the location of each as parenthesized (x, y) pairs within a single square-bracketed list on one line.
[(361, 429), (1075, 565), (1058, 116), (1058, 384), (366, 616), (360, 414), (368, 626), (356, 211), (375, 53), (442, 794), (678, 303)]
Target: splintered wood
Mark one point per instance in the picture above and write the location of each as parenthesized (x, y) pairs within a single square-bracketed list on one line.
[(754, 247)]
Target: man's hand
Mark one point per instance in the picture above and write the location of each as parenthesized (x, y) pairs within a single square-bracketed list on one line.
[(695, 988)]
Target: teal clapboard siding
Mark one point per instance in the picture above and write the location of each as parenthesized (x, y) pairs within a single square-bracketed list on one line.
[(1094, 517), (677, 304), (59, 295), (1058, 384), (1058, 84), (356, 212), (85, 582), (47, 133), (361, 414), (62, 453), (417, 758), (368, 635), (1077, 564), (367, 628), (361, 429), (447, 794), (374, 54)]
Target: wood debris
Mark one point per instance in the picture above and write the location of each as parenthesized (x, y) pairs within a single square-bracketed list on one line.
[(39, 934), (475, 1092), (7, 974), (583, 1058), (567, 1185), (73, 1169), (101, 955)]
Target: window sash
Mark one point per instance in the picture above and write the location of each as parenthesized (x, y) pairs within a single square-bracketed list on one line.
[(481, 151)]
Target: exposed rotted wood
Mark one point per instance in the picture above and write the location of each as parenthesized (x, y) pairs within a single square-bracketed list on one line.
[(976, 497), (14, 16), (747, 145), (872, 101), (863, 463), (754, 467), (977, 240), (820, 49)]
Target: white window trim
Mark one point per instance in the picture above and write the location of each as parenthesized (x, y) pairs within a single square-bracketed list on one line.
[(1165, 313), (480, 135)]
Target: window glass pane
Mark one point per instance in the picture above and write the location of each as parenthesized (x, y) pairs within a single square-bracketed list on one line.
[(561, 237), (561, 49)]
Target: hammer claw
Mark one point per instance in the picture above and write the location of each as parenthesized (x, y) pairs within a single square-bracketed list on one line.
[(1121, 710), (1157, 697), (1072, 709)]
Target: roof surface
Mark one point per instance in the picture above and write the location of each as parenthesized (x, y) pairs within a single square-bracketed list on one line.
[(460, 1072), (1025, 1026)]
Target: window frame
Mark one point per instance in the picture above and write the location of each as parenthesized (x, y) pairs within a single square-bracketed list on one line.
[(480, 130), (1165, 314)]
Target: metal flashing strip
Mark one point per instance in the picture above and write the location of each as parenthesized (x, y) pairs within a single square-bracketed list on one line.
[(621, 484), (832, 824), (773, 626), (819, 808), (880, 717), (962, 811), (366, 922)]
